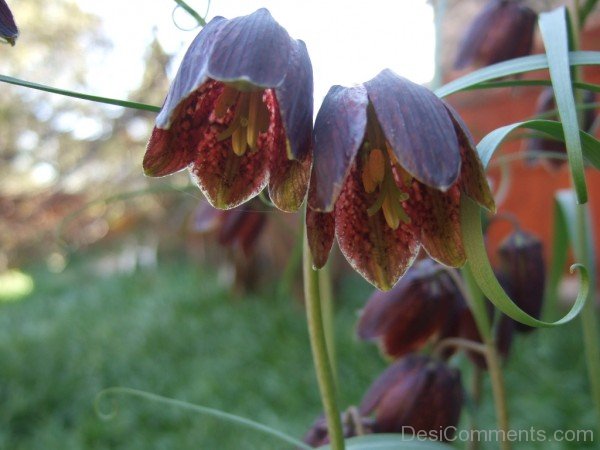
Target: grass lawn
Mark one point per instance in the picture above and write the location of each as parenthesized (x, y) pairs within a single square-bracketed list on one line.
[(175, 331)]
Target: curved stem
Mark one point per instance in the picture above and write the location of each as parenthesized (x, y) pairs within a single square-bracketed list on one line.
[(318, 345), (478, 308), (461, 343)]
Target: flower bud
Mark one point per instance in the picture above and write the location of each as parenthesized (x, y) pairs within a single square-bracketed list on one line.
[(522, 263), (423, 304), (502, 31), (546, 104), (416, 394)]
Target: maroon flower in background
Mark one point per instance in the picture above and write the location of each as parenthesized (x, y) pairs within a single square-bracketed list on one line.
[(418, 392), (424, 304), (546, 104), (390, 163), (238, 227), (8, 28), (239, 114), (502, 31), (522, 266)]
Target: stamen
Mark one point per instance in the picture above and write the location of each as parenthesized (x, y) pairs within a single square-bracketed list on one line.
[(376, 165), (227, 99), (238, 141)]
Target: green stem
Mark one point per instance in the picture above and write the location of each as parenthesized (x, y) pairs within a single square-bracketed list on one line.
[(589, 321), (318, 344), (326, 295), (476, 387), (584, 253), (478, 308), (192, 12), (93, 98)]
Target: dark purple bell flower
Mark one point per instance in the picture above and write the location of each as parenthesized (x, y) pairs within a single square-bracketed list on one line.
[(238, 114), (391, 161), (503, 30), (417, 393)]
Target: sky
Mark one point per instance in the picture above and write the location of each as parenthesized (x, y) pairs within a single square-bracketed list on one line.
[(349, 41)]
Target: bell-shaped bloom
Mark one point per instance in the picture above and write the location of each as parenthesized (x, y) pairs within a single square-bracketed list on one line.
[(390, 163), (417, 393), (522, 265), (424, 304), (502, 31), (8, 28), (238, 114), (546, 105), (238, 227)]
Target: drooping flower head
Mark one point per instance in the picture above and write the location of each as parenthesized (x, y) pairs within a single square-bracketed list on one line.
[(424, 304), (8, 28), (239, 114), (390, 163), (503, 30), (418, 393)]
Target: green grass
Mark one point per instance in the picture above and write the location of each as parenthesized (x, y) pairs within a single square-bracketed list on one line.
[(177, 332)]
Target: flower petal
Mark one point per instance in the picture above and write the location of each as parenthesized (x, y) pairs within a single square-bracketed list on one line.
[(435, 216), (472, 175), (320, 231), (376, 251), (288, 181), (416, 125), (8, 29), (339, 132), (172, 149), (254, 49), (295, 98), (191, 73)]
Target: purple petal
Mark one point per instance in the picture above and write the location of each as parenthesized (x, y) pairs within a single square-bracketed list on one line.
[(253, 49), (288, 180), (192, 71), (417, 126), (295, 97), (8, 28), (473, 181), (339, 132)]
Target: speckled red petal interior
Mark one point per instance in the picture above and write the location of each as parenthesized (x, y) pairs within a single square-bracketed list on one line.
[(288, 181), (376, 251), (170, 150)]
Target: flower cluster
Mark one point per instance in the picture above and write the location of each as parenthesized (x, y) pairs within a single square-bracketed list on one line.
[(391, 160)]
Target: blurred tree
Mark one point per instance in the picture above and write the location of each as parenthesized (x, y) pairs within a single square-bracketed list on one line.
[(58, 153)]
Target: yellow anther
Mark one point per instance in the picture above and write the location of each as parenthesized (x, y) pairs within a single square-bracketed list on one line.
[(391, 212), (368, 182), (238, 141), (227, 99), (376, 165)]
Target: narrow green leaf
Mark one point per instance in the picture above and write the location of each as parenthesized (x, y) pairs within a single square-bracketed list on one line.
[(480, 266), (93, 98), (390, 442), (192, 12), (513, 67), (226, 417), (520, 83), (555, 33), (490, 143), (560, 246)]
